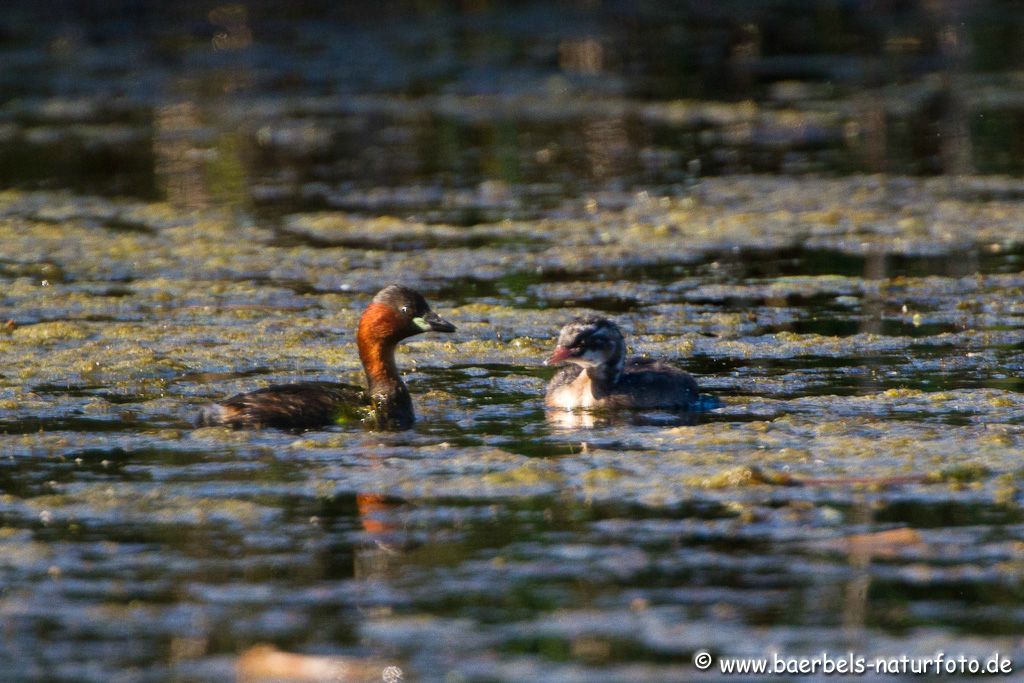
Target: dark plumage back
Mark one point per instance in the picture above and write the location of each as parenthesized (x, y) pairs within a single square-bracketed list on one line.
[(302, 405), (652, 383)]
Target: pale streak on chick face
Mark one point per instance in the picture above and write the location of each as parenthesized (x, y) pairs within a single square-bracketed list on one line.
[(591, 358)]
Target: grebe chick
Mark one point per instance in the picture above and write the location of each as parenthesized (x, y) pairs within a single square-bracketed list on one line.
[(395, 313), (598, 375)]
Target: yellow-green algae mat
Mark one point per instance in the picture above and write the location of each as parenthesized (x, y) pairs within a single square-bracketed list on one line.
[(859, 489)]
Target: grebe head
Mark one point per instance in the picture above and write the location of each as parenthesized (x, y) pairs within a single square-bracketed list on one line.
[(397, 312), (590, 342)]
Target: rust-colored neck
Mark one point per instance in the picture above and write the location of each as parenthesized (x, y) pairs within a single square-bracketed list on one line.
[(376, 339), (379, 331)]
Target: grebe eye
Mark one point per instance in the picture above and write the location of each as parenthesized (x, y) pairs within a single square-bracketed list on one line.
[(405, 309)]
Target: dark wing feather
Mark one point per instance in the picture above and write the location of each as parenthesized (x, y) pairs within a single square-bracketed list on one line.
[(650, 384), (303, 405)]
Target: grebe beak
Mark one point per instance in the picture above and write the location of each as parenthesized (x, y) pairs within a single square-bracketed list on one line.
[(559, 355), (432, 322)]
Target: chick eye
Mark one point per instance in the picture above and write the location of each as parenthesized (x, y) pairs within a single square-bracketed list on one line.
[(405, 309)]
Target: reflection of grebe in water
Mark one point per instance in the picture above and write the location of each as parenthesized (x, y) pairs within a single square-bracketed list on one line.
[(370, 561), (588, 419), (373, 560), (597, 374)]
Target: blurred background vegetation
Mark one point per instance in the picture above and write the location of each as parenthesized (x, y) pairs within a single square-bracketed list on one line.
[(388, 105)]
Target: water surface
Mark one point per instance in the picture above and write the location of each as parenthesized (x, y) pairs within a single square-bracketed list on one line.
[(205, 204), (869, 379)]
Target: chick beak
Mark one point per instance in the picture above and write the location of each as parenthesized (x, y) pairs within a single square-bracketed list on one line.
[(432, 322), (559, 355)]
